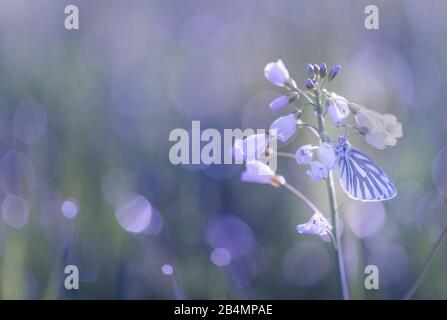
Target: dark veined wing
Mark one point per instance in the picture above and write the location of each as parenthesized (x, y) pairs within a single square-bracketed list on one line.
[(362, 179)]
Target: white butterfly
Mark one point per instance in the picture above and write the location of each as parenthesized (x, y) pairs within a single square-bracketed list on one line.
[(360, 177)]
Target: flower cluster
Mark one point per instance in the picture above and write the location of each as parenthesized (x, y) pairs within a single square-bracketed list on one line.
[(360, 177), (380, 130), (357, 170)]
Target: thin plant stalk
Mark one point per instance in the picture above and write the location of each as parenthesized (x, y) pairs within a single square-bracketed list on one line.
[(177, 287), (427, 263), (285, 154), (306, 200), (335, 222), (342, 279), (311, 205)]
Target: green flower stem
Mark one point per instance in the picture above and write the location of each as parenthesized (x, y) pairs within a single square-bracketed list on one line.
[(306, 200), (310, 127), (285, 154), (426, 265), (334, 211)]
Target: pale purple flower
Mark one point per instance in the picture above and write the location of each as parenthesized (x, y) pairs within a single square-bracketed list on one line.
[(338, 107), (285, 127), (342, 104), (326, 153), (279, 103), (251, 148), (317, 225), (277, 73), (258, 172), (304, 154), (380, 130), (333, 111), (317, 171)]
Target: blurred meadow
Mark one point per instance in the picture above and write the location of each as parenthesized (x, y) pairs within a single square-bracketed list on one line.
[(85, 177)]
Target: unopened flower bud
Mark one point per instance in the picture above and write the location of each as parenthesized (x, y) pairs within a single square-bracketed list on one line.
[(309, 84), (279, 103), (335, 70), (283, 101), (277, 181), (316, 69), (310, 70), (323, 70)]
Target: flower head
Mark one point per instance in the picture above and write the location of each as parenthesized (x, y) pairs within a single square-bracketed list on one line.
[(276, 73), (317, 171), (380, 130), (334, 112), (251, 148), (318, 225), (258, 172), (285, 126), (304, 154), (337, 106)]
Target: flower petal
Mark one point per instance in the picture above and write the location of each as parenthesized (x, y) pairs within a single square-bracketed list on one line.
[(317, 171), (276, 73), (285, 127), (257, 172), (304, 154)]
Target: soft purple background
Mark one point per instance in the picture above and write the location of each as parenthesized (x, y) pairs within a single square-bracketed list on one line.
[(84, 122)]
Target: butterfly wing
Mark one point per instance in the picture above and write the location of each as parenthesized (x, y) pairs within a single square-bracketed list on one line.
[(362, 179)]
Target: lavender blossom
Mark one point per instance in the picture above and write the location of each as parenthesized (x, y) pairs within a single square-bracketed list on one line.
[(277, 73)]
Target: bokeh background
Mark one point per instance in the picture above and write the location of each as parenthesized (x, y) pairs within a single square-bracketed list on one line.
[(85, 177)]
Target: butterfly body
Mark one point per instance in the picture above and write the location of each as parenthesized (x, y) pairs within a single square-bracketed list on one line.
[(360, 177)]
